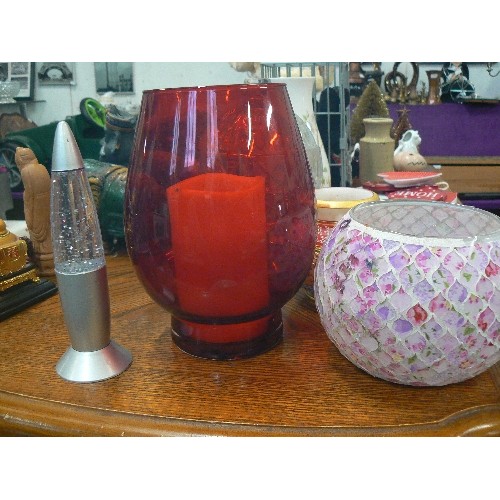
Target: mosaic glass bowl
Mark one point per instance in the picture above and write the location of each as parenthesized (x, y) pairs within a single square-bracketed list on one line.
[(409, 291)]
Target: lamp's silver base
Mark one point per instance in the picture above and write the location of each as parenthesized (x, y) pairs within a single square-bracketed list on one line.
[(108, 362)]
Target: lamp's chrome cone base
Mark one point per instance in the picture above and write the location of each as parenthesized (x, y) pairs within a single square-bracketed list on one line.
[(108, 362)]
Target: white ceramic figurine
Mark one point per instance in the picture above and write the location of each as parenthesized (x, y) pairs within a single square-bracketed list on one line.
[(407, 156)]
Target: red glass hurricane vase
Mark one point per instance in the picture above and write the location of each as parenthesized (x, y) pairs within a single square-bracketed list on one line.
[(219, 213)]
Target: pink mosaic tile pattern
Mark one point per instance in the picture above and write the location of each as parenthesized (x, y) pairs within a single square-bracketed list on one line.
[(409, 291)]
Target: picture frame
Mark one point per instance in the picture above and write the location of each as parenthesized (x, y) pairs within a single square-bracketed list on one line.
[(116, 77), (56, 73), (23, 72)]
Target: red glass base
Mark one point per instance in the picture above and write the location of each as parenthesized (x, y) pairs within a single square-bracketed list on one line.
[(227, 342)]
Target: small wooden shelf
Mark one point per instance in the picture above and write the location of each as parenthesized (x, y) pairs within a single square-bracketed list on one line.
[(472, 178)]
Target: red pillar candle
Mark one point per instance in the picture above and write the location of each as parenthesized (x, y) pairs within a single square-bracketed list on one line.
[(219, 245)]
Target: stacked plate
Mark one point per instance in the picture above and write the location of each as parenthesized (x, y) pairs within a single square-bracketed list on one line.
[(408, 179)]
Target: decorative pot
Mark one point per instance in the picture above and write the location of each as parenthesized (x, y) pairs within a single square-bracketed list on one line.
[(376, 148), (300, 90), (406, 156), (334, 202), (357, 81), (434, 77), (407, 161), (410, 141), (409, 291), (219, 213)]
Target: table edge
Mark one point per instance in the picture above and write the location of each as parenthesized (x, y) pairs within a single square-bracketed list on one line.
[(28, 416)]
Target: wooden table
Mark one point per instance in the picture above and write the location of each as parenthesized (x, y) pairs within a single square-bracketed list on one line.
[(472, 178), (303, 387)]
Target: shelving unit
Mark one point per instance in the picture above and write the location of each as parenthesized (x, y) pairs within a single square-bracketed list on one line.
[(331, 108)]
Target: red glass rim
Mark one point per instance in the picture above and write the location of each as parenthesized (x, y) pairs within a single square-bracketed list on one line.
[(242, 86)]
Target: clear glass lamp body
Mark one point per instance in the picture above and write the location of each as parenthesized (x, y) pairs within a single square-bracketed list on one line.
[(76, 235)]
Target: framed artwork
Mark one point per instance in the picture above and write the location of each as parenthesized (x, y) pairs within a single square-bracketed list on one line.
[(56, 73), (115, 77), (23, 72)]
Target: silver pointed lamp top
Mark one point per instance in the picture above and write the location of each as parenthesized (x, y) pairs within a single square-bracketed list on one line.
[(65, 154)]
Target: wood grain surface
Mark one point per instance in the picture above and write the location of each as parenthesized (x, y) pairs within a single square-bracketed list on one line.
[(472, 178), (303, 387)]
